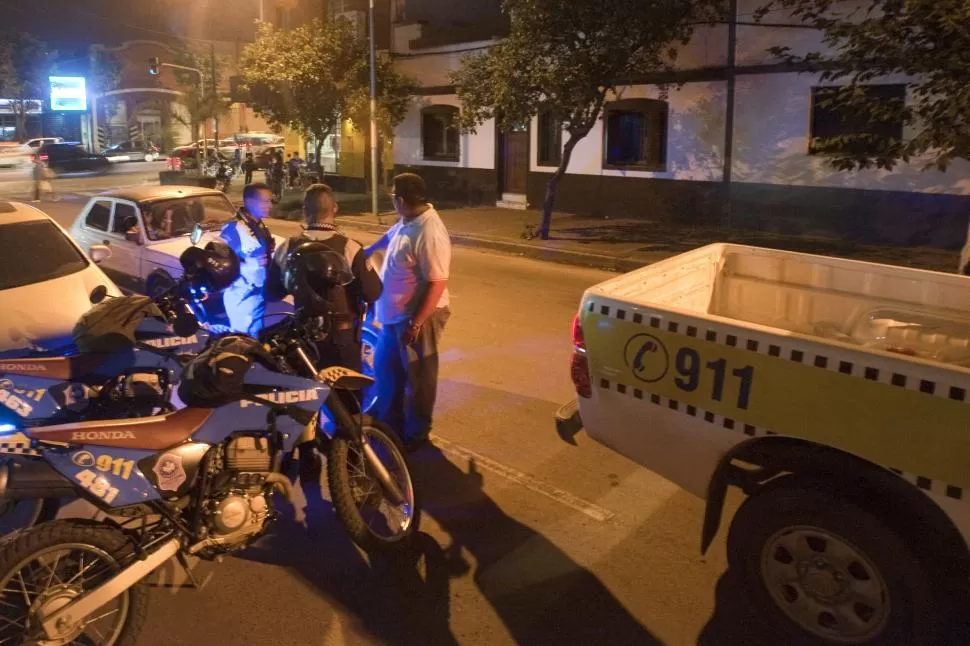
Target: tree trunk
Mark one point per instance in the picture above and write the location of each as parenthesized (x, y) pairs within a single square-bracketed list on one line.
[(20, 114), (553, 183)]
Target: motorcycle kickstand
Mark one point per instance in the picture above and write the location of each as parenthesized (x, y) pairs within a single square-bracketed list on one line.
[(193, 582)]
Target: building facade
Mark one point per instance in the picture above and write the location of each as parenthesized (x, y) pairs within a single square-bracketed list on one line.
[(669, 148)]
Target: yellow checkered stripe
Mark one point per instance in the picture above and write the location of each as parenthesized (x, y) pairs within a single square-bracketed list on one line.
[(17, 444)]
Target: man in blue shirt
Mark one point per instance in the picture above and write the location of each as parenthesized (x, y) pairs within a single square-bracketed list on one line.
[(248, 237)]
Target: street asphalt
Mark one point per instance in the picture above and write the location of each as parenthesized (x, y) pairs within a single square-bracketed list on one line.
[(524, 539)]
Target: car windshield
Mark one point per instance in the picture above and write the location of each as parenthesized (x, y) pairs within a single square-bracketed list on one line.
[(34, 252), (174, 218)]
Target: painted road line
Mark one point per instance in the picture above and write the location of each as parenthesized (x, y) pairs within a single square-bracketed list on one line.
[(529, 482)]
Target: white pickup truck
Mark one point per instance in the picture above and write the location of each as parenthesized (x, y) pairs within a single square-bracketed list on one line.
[(833, 393)]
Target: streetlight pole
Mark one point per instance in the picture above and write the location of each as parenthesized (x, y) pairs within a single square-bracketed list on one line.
[(373, 109)]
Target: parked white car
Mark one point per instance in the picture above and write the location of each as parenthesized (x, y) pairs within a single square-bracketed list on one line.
[(147, 229), (45, 282)]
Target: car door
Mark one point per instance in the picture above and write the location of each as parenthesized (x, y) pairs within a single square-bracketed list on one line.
[(94, 230), (125, 237)]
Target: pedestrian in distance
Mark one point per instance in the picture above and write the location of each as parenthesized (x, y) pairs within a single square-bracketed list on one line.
[(248, 167), (42, 179), (253, 244), (237, 158), (412, 310)]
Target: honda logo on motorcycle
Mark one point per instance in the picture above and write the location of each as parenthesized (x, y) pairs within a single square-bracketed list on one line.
[(22, 367), (102, 435), (287, 397)]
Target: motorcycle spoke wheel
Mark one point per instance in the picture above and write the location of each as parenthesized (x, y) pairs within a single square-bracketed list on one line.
[(364, 507), (51, 578)]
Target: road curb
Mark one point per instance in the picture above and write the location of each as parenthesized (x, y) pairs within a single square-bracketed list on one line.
[(538, 252)]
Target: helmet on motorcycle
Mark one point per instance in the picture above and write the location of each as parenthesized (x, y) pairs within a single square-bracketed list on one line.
[(315, 274), (221, 266)]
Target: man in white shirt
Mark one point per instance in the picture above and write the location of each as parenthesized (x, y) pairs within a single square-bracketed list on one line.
[(412, 310)]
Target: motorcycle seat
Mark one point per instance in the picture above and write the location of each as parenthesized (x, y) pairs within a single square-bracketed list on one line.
[(154, 433), (61, 368)]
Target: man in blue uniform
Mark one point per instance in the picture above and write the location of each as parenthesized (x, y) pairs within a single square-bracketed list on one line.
[(248, 237)]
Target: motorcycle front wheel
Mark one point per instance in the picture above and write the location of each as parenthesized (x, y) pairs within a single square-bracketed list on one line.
[(373, 521), (43, 569)]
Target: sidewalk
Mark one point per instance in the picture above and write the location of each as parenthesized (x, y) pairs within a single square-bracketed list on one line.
[(624, 245)]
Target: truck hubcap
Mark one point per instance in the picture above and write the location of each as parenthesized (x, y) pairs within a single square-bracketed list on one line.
[(826, 585)]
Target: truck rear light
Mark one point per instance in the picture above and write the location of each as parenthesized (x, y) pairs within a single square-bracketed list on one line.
[(579, 366), (578, 340)]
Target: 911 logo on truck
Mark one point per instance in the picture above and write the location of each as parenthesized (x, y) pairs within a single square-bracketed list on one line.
[(647, 357)]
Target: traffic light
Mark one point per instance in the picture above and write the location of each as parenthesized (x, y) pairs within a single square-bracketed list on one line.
[(153, 65)]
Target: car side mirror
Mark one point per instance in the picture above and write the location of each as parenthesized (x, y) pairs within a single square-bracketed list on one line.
[(196, 234), (100, 253), (133, 236), (98, 294)]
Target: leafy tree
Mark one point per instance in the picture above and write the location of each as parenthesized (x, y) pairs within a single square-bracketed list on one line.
[(311, 77), (105, 76), (566, 58), (926, 40), (25, 64), (198, 107)]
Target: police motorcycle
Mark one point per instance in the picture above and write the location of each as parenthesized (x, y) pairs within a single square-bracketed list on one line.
[(127, 373), (198, 481)]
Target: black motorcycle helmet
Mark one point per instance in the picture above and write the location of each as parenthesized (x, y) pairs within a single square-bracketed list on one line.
[(216, 266), (316, 274)]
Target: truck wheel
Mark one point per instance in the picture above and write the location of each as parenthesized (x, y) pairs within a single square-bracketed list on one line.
[(825, 571)]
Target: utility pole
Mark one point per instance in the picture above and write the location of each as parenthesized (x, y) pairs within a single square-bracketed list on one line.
[(729, 112), (373, 109), (215, 94)]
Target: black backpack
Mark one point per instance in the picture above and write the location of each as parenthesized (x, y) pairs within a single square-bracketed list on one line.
[(217, 375)]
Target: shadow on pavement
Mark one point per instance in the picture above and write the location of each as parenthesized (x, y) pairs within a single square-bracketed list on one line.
[(402, 599), (541, 594), (733, 622)]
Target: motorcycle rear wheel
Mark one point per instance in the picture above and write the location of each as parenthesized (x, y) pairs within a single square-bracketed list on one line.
[(373, 521), (44, 568)]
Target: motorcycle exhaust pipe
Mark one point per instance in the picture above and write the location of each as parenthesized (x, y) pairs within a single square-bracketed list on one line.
[(22, 479)]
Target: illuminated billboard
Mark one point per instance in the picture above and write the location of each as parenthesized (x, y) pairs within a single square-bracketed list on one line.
[(68, 93)]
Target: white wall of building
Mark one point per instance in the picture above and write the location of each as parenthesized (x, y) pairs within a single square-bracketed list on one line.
[(695, 136), (771, 138), (476, 150)]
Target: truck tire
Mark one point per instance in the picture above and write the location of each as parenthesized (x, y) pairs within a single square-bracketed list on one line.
[(825, 571)]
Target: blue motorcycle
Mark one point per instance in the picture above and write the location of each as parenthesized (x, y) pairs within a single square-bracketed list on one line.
[(197, 481)]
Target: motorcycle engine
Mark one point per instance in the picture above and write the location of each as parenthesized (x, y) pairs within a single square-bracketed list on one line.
[(238, 506)]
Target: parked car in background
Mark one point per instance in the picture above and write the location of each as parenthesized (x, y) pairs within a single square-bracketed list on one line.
[(20, 154), (46, 280), (263, 145), (132, 151), (226, 147), (68, 157), (147, 229)]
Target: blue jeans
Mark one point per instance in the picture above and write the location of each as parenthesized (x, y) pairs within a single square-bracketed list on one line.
[(407, 376)]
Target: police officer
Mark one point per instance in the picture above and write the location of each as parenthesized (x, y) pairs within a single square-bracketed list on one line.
[(248, 237), (342, 344)]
